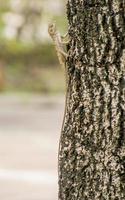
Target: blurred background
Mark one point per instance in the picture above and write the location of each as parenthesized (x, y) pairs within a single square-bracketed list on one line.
[(32, 86)]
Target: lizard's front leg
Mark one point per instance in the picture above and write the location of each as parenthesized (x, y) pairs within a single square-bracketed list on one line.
[(65, 39)]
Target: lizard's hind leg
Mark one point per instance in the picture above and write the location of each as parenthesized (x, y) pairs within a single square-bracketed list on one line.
[(63, 53)]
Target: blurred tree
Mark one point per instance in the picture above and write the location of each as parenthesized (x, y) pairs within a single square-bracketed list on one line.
[(31, 12), (24, 18), (92, 144), (27, 19)]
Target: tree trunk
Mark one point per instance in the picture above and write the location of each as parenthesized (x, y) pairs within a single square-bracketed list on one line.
[(92, 143)]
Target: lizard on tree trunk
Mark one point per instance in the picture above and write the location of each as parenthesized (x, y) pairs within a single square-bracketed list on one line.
[(92, 150)]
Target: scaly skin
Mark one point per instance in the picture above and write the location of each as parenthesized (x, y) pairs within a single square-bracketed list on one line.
[(58, 42)]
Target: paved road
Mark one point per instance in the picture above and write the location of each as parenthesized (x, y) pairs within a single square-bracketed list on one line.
[(29, 135)]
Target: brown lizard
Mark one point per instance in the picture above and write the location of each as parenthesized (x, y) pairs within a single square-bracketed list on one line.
[(59, 42)]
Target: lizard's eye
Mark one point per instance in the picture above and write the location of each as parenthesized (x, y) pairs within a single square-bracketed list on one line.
[(51, 28)]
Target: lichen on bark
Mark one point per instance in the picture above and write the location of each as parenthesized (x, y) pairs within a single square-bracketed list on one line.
[(92, 143)]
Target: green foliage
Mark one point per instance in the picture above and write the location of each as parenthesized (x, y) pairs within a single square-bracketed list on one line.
[(30, 66), (13, 52), (4, 7), (35, 79)]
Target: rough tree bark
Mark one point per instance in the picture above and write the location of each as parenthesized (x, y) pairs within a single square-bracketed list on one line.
[(92, 143)]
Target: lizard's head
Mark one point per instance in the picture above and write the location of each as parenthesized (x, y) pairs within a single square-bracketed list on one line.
[(52, 28)]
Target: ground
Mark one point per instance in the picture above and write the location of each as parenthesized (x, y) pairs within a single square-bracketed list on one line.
[(29, 135)]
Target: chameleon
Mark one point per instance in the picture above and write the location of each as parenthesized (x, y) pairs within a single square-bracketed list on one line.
[(59, 42)]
